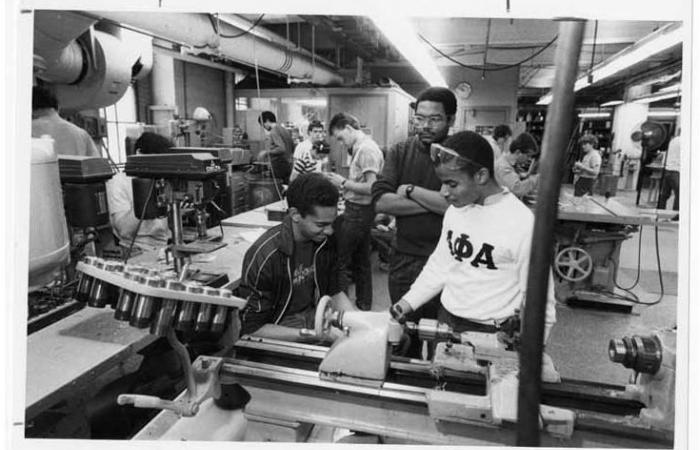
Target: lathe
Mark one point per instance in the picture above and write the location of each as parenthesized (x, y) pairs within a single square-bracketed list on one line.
[(466, 395)]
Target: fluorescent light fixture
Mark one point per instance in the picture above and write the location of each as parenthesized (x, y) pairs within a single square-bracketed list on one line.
[(612, 103), (399, 31), (658, 41), (663, 113), (545, 100), (673, 87), (657, 97), (593, 115)]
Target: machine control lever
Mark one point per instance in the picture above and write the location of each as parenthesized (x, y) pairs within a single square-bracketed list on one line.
[(203, 381)]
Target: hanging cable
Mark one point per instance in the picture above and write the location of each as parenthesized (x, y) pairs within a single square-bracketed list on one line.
[(489, 69), (313, 51), (486, 48), (257, 86), (243, 33), (595, 38)]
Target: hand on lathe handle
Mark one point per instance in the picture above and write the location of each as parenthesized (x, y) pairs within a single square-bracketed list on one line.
[(400, 310)]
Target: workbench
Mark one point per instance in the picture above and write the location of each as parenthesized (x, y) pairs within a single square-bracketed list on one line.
[(598, 209), (589, 235), (257, 218), (65, 358)]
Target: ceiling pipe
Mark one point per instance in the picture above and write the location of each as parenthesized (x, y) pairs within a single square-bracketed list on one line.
[(196, 29)]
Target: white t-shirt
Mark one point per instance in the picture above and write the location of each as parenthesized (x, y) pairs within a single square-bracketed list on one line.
[(366, 157), (69, 139), (481, 262), (593, 161), (153, 233)]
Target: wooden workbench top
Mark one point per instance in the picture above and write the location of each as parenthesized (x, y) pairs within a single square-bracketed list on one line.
[(256, 218), (69, 353), (596, 208)]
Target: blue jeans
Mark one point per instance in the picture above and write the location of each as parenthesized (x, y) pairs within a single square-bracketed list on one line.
[(354, 247), (403, 271)]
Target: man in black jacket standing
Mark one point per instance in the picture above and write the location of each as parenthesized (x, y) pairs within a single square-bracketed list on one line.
[(409, 189), (292, 265)]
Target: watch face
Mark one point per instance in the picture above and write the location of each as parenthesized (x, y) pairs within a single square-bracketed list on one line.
[(463, 90)]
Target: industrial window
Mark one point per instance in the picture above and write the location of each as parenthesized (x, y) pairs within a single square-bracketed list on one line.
[(121, 121)]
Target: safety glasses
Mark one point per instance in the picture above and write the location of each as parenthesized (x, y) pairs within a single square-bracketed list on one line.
[(447, 156)]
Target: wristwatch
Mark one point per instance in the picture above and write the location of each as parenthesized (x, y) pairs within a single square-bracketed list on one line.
[(409, 190)]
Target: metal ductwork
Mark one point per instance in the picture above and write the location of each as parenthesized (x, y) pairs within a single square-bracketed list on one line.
[(196, 30), (88, 67)]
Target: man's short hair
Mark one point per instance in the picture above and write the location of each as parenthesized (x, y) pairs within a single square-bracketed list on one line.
[(314, 124), (152, 143), (439, 95), (502, 131), (526, 143), (340, 120), (588, 139), (310, 190), (473, 147), (267, 116), (43, 97)]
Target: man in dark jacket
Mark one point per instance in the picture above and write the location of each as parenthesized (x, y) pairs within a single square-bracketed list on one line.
[(292, 265)]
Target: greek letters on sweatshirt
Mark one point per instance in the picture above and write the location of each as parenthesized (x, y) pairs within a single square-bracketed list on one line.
[(481, 261)]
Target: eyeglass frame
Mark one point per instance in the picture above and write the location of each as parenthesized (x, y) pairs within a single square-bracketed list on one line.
[(430, 121)]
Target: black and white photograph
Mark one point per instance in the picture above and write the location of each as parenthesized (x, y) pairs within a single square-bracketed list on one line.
[(458, 224)]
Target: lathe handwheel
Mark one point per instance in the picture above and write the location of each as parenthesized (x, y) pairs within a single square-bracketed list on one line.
[(322, 322), (573, 264)]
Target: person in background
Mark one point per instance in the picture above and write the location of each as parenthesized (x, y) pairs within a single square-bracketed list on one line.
[(480, 265), (354, 235), (523, 151), (499, 140), (588, 168), (311, 154), (292, 265), (279, 147), (69, 139), (672, 173), (152, 233), (409, 189)]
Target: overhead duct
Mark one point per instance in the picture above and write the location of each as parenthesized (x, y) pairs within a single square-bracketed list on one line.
[(196, 30), (87, 67), (55, 34)]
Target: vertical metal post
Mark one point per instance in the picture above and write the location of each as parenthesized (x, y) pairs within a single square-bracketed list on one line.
[(177, 235), (554, 146)]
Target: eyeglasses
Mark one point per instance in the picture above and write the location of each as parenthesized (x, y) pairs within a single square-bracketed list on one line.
[(447, 156), (431, 121)]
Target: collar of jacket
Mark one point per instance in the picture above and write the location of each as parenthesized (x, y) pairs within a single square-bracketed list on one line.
[(287, 236)]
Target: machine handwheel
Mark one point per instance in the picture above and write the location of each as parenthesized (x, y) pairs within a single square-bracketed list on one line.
[(573, 264), (322, 323)]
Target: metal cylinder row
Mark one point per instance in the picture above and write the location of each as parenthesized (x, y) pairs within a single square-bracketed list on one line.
[(143, 311)]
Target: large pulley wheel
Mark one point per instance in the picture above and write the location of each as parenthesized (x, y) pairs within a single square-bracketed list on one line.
[(573, 264), (322, 320)]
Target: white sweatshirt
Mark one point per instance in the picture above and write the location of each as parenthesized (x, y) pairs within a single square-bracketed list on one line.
[(481, 262)]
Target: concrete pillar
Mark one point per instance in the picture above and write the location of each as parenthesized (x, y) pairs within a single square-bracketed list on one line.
[(626, 119), (163, 87)]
